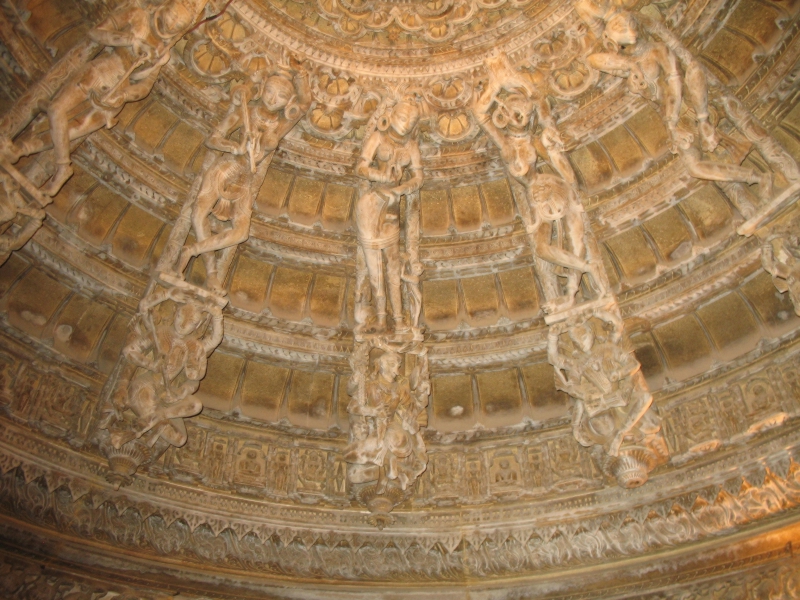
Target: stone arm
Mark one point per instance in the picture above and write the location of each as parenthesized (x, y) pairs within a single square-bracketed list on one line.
[(553, 143), (611, 63), (415, 182), (481, 111), (554, 354), (218, 140), (212, 340), (110, 33), (304, 94), (674, 88), (364, 167)]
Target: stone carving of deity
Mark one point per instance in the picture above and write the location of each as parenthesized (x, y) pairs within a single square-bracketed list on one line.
[(612, 402), (136, 41), (652, 71), (167, 356), (390, 167), (507, 108), (386, 453), (223, 206), (387, 422)]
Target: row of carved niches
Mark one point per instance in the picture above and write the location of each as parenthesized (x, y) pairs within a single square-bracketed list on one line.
[(55, 488), (530, 452), (769, 572)]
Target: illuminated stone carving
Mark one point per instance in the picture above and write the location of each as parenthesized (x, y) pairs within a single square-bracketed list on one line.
[(507, 109), (223, 206), (167, 357), (387, 410), (136, 42), (612, 403), (390, 167)]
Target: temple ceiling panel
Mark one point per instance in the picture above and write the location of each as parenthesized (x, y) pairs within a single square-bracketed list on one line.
[(408, 298)]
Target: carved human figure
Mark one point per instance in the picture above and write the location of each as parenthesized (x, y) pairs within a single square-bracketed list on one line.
[(137, 40), (224, 204), (390, 167), (652, 71), (780, 257), (12, 204), (388, 414), (604, 379), (172, 357), (506, 108)]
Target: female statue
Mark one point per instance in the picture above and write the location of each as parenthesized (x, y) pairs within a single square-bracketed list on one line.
[(391, 167), (224, 205), (506, 109)]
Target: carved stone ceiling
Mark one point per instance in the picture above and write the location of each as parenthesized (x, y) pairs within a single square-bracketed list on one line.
[(542, 342)]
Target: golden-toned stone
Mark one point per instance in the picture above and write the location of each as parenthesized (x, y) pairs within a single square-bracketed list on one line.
[(263, 390), (135, 235), (249, 284), (685, 345)]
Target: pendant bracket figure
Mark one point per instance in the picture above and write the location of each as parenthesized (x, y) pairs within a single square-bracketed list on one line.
[(613, 411), (507, 106), (386, 453), (165, 358), (390, 168)]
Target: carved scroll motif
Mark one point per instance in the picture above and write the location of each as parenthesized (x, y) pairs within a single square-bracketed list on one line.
[(179, 323)]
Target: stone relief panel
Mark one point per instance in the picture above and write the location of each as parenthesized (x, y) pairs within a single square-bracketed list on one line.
[(164, 525)]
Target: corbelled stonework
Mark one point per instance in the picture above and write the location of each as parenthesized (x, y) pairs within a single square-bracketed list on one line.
[(455, 298)]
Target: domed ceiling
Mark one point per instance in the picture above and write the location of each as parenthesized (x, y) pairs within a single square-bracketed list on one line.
[(392, 298)]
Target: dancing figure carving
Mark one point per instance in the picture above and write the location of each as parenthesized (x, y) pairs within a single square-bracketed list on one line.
[(652, 71), (506, 108), (136, 41), (223, 206), (390, 167)]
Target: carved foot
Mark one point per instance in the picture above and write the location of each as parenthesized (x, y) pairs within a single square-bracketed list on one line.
[(57, 181), (708, 136)]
